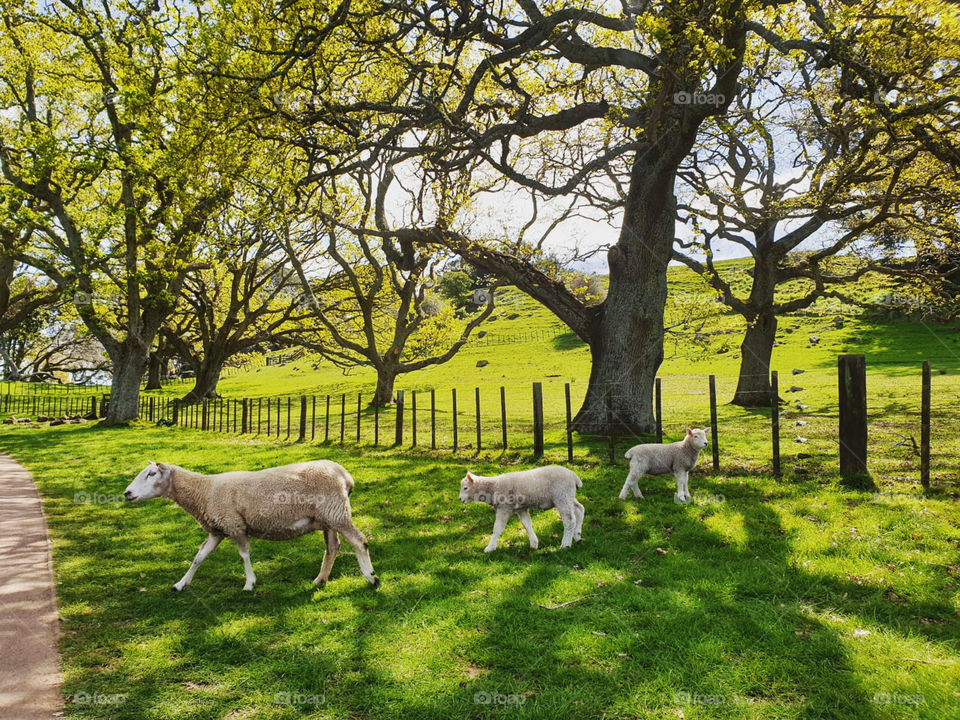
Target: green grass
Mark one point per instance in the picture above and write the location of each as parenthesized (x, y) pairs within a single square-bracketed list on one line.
[(792, 598), (763, 599)]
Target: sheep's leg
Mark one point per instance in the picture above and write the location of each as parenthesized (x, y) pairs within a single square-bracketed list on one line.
[(330, 554), (243, 545), (528, 526), (579, 512), (631, 483), (503, 514), (353, 536), (569, 517), (208, 546), (686, 485), (682, 495)]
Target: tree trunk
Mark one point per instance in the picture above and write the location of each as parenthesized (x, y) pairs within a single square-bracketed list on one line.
[(627, 344), (386, 377), (128, 363), (753, 387), (154, 369), (206, 380)]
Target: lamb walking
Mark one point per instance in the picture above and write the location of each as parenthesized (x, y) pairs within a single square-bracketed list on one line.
[(656, 459), (520, 492), (279, 503)]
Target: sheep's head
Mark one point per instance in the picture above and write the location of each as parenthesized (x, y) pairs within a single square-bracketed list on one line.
[(697, 438), (467, 486), (153, 481)]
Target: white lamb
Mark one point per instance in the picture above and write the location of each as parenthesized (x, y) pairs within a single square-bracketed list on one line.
[(519, 492), (278, 503), (656, 459)]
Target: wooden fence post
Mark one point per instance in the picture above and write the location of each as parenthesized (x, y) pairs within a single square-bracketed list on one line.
[(566, 396), (455, 433), (433, 419), (326, 421), (359, 406), (714, 444), (413, 416), (260, 413), (376, 421), (925, 427), (176, 411), (343, 415), (303, 418), (611, 440), (852, 376), (151, 409), (775, 420), (204, 415), (313, 417), (537, 420), (245, 416), (503, 417), (659, 408), (278, 418), (398, 431), (93, 406), (479, 440)]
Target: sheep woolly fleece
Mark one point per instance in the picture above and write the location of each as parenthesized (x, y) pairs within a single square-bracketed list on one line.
[(279, 503), (519, 492), (678, 458)]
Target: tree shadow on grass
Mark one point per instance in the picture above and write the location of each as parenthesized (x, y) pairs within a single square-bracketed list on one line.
[(721, 619)]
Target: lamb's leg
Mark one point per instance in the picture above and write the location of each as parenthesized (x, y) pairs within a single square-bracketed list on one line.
[(528, 526), (569, 517), (579, 511), (686, 486), (631, 483), (503, 514), (243, 545), (208, 546), (330, 554), (353, 536), (682, 495)]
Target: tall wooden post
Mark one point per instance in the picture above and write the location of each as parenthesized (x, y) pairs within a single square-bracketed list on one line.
[(359, 409), (537, 420), (852, 376), (303, 417), (714, 440), (658, 394), (398, 433), (775, 420), (433, 419), (456, 438), (343, 415), (479, 440), (566, 397), (925, 427), (413, 417), (503, 417)]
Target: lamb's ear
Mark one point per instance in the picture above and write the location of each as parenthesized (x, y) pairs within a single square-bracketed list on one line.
[(689, 431), (163, 468), (707, 431), (469, 478)]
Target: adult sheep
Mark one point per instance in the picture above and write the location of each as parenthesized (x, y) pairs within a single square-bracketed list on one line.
[(279, 503)]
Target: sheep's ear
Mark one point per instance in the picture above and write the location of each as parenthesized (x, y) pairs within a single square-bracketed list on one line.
[(469, 478), (162, 467), (689, 431), (707, 431)]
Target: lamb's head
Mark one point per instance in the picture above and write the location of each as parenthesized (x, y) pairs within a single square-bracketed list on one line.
[(468, 487), (697, 438), (153, 481)]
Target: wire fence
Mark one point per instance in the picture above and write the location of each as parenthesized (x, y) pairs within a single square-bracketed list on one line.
[(801, 438)]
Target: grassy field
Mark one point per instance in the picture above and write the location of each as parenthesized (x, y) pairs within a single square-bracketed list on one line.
[(765, 598), (762, 599)]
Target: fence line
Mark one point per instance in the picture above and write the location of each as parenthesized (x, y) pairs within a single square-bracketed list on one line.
[(494, 429)]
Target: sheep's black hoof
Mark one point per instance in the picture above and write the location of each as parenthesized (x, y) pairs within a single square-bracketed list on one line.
[(376, 582), (176, 589)]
